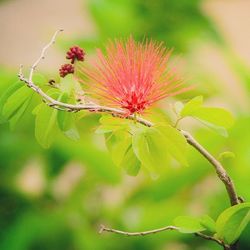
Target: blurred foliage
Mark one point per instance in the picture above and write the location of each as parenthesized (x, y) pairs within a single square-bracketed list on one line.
[(57, 198)]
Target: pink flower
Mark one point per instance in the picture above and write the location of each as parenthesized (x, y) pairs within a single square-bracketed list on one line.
[(133, 75)]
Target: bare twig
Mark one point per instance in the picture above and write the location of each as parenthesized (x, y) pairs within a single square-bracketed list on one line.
[(42, 56), (221, 172), (154, 231), (158, 230)]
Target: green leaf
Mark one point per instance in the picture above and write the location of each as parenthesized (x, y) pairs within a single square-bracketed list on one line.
[(46, 120), (175, 143), (66, 123), (13, 88), (130, 162), (118, 144), (70, 85), (217, 116), (13, 121), (207, 222), (103, 129), (39, 79), (66, 120), (45, 125), (178, 107), (191, 106), (145, 151), (217, 129), (113, 121), (111, 124), (149, 150), (226, 155), (15, 101), (232, 222), (187, 224), (72, 133), (153, 146)]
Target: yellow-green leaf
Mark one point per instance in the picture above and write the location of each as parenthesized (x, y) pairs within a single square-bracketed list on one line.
[(191, 106), (188, 224), (232, 222)]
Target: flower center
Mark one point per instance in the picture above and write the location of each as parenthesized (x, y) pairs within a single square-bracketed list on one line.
[(133, 103)]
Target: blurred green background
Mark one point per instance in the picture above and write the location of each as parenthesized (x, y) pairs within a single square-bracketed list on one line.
[(55, 199)]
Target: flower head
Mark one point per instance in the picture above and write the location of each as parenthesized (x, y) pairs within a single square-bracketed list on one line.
[(66, 69), (133, 75), (75, 53)]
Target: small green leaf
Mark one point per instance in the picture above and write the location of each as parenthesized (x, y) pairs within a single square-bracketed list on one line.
[(226, 155), (217, 116), (130, 162), (207, 222), (232, 222), (15, 101), (46, 120), (39, 79), (66, 120), (178, 107), (13, 121), (187, 224), (45, 125), (113, 121), (13, 88), (191, 106), (118, 143), (153, 146), (217, 129), (103, 129), (72, 133), (175, 143), (147, 150), (67, 84)]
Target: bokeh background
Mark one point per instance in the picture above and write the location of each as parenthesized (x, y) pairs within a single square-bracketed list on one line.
[(55, 199)]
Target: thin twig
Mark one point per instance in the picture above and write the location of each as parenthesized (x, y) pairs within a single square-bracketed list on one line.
[(42, 56), (221, 172), (154, 231), (207, 237), (158, 230)]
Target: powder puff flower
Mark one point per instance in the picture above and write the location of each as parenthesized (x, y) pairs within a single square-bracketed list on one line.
[(133, 75)]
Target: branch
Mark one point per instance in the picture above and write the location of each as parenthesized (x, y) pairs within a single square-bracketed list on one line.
[(207, 237), (154, 231), (221, 172), (158, 230), (42, 56)]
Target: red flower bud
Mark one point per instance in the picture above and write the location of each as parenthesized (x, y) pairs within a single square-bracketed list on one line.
[(75, 53), (66, 69)]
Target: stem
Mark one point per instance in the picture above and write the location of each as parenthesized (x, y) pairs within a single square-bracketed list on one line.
[(158, 230), (221, 172)]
